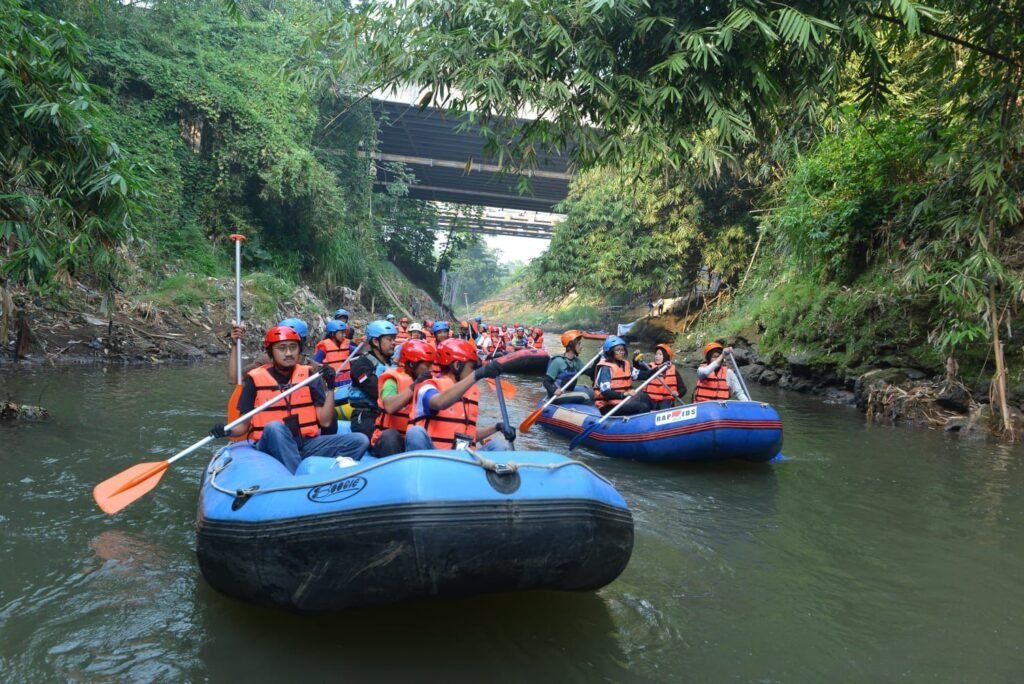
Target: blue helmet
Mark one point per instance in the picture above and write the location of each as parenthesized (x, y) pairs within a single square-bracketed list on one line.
[(380, 329), (390, 317), (335, 326), (612, 342), (341, 313), (298, 326), (438, 326), (478, 319)]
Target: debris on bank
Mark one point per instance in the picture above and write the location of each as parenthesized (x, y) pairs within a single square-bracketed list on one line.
[(12, 410)]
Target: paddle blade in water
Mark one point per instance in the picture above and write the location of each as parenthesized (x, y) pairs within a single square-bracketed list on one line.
[(116, 492), (530, 420), (507, 387)]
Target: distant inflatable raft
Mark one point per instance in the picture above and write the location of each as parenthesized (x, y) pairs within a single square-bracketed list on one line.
[(413, 526), (525, 361), (707, 431)]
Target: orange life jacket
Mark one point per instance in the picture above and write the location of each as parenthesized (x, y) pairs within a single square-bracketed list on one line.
[(622, 381), (299, 403), (715, 387), (402, 336), (657, 392), (334, 356), (536, 342), (400, 419), (459, 417)]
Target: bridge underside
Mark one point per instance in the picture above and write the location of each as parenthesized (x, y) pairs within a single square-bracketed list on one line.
[(516, 224), (450, 165)]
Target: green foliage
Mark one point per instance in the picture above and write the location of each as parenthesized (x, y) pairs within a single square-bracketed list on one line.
[(478, 272), (666, 80), (631, 233), (839, 202), (66, 190)]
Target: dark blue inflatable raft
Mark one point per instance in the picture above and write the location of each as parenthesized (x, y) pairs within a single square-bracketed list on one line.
[(706, 431), (411, 526)]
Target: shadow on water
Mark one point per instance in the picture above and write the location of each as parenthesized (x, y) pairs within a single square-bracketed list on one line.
[(548, 636)]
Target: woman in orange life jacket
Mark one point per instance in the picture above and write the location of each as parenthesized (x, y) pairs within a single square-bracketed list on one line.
[(395, 390), (506, 334), (613, 381), (290, 430), (334, 350), (536, 340), (665, 395), (449, 405), (403, 330), (715, 382)]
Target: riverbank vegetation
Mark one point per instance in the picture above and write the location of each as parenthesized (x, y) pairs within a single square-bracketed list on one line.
[(868, 154)]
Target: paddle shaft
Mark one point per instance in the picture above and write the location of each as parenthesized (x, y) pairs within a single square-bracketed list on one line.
[(573, 379), (736, 367), (241, 419), (501, 405), (675, 395), (580, 437), (238, 304)]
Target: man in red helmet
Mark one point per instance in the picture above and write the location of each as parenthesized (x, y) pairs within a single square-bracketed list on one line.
[(290, 430), (396, 387), (446, 409), (403, 330)]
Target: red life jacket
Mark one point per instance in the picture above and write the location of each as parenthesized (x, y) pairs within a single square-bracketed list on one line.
[(715, 387), (299, 403), (622, 381), (400, 419), (334, 356), (459, 417)]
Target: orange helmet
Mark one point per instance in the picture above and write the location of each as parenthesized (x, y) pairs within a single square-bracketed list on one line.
[(280, 333), (414, 351), (713, 346), (463, 324), (570, 336), (667, 350), (452, 350)]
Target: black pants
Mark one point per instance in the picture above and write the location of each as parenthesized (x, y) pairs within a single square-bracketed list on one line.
[(663, 404), (391, 442), (638, 403), (364, 420)]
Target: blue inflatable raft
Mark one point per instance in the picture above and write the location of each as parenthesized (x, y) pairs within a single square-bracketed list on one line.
[(411, 526), (707, 431)]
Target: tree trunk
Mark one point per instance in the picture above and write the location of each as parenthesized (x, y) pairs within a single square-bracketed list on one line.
[(1000, 379)]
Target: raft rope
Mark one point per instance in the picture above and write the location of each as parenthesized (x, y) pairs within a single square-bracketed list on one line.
[(479, 461)]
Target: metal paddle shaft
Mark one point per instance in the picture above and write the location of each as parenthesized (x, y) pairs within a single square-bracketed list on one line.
[(526, 424), (580, 437), (743, 383), (501, 405), (238, 304)]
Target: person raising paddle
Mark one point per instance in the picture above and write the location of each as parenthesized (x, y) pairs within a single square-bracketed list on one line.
[(671, 388), (715, 382), (290, 430)]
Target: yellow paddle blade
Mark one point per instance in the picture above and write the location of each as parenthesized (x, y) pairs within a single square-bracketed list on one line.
[(116, 492)]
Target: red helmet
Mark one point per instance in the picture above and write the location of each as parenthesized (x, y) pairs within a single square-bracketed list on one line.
[(452, 350), (280, 333), (495, 329), (414, 351), (518, 325), (538, 331), (403, 319)]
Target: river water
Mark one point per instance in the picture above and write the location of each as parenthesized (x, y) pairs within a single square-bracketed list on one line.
[(870, 554)]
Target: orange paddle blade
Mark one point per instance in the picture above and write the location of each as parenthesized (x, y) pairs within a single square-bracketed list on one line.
[(530, 420), (116, 492), (507, 387)]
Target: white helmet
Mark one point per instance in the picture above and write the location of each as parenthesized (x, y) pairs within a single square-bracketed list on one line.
[(415, 327)]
